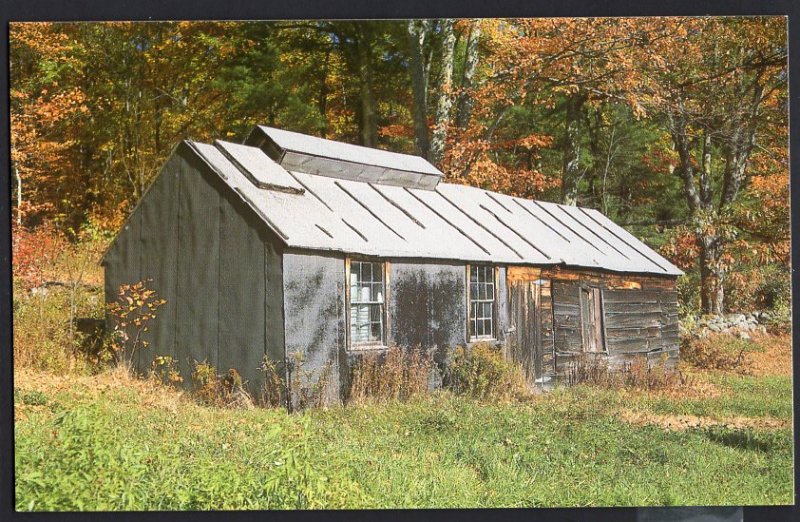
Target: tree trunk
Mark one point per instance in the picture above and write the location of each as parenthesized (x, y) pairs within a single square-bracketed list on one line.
[(464, 108), (445, 96), (369, 113), (572, 151), (322, 97), (712, 293), (417, 30)]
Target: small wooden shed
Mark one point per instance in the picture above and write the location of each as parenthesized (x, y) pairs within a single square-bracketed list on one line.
[(291, 243)]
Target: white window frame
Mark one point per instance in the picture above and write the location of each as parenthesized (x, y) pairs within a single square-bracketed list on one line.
[(492, 280), (351, 300)]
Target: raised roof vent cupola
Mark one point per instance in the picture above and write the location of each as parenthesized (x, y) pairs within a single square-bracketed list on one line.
[(309, 154)]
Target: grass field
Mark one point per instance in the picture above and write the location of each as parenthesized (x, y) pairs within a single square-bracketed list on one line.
[(109, 442)]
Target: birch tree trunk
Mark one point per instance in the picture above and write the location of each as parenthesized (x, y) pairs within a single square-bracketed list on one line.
[(444, 102), (712, 294), (572, 151)]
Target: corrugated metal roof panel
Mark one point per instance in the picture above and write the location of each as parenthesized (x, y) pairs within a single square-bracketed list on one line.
[(453, 222)]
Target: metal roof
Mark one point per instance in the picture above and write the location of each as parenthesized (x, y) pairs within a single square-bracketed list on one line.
[(453, 222)]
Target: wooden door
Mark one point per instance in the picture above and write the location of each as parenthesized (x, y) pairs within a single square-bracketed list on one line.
[(526, 339), (592, 320)]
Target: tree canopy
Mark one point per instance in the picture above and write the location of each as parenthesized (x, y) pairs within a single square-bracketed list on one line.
[(674, 127)]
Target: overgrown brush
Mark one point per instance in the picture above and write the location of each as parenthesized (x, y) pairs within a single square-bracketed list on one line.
[(482, 372), (165, 370), (394, 374), (308, 388), (594, 370), (716, 352), (42, 339), (55, 282), (273, 386), (226, 390)]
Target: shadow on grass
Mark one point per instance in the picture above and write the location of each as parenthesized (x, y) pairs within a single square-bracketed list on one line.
[(743, 439)]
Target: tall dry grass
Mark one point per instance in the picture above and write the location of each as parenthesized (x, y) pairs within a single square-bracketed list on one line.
[(637, 374), (395, 374), (482, 372)]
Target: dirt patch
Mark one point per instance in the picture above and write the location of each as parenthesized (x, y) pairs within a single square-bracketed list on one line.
[(775, 359), (694, 387), (685, 422)]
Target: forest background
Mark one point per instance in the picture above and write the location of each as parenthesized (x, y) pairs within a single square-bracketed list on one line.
[(676, 128)]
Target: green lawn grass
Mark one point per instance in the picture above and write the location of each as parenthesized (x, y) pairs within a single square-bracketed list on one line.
[(77, 450)]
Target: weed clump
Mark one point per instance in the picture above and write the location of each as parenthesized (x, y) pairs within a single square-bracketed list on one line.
[(308, 387), (394, 374), (637, 374), (225, 390), (482, 372), (718, 352)]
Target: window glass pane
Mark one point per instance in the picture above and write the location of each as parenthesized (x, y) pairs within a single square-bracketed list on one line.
[(482, 297), (367, 293), (375, 333)]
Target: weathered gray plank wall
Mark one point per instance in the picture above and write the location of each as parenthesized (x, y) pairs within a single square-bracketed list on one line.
[(566, 316), (213, 262), (640, 320)]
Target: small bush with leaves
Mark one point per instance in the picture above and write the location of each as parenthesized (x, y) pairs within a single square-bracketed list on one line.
[(483, 373), (396, 374), (34, 398), (165, 369), (132, 312), (219, 390)]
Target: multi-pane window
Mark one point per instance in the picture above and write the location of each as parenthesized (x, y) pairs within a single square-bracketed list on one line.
[(481, 302), (367, 293)]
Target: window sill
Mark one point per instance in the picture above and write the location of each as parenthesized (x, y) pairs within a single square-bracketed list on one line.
[(367, 348), (473, 340)]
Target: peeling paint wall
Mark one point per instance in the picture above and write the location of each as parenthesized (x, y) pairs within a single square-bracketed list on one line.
[(315, 319), (427, 304), (213, 262)]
